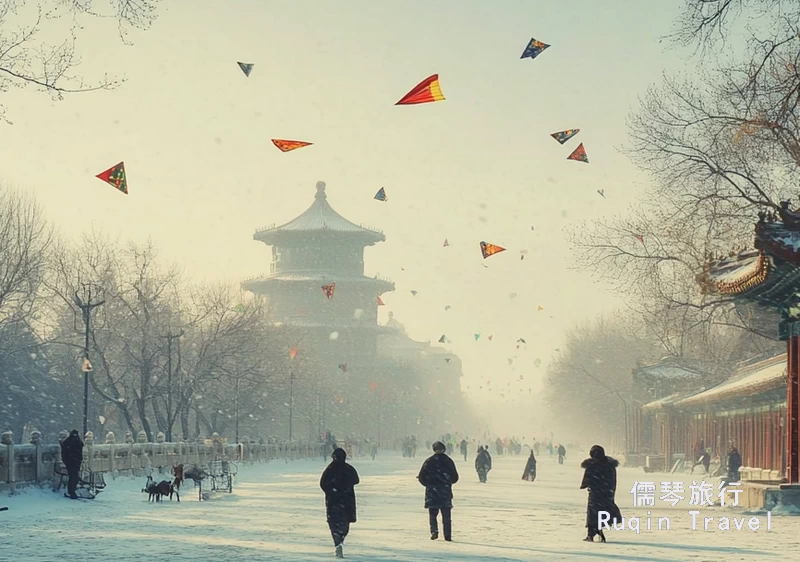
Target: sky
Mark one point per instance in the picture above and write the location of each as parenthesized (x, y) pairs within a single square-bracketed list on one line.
[(194, 134)]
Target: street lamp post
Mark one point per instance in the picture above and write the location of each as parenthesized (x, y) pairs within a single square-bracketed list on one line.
[(86, 309), (236, 409)]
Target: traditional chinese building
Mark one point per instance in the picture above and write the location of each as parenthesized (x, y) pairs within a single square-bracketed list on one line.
[(364, 375), (770, 276), (320, 248)]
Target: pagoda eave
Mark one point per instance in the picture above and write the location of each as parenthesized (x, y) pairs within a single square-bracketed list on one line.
[(267, 284), (277, 237)]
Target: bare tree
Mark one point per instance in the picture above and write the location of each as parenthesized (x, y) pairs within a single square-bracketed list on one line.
[(25, 240), (28, 61)]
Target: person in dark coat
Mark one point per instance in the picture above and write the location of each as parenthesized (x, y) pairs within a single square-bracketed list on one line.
[(464, 448), (483, 464), (734, 464), (705, 460), (338, 481), (72, 457), (530, 469), (600, 477), (438, 474), (562, 452)]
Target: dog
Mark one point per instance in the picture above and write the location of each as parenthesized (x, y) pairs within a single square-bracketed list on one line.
[(158, 491)]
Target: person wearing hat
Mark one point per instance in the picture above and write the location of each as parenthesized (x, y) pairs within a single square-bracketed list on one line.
[(338, 482), (72, 457), (438, 474)]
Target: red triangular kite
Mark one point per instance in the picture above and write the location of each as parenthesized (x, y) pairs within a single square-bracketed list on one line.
[(293, 352), (426, 91), (287, 145), (115, 176), (579, 154), (328, 290), (380, 301)]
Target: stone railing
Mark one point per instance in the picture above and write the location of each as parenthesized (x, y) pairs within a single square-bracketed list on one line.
[(34, 463)]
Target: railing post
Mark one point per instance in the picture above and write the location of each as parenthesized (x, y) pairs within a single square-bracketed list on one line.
[(111, 442), (7, 439), (88, 440), (36, 438)]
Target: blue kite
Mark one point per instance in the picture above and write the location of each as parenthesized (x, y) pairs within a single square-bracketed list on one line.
[(381, 195), (534, 49)]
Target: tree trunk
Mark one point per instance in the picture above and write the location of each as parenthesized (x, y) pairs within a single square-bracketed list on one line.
[(142, 410), (161, 420)]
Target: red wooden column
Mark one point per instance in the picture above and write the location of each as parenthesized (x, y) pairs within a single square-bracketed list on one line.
[(792, 411)]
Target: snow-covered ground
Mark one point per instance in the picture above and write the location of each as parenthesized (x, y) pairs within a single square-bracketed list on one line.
[(277, 513)]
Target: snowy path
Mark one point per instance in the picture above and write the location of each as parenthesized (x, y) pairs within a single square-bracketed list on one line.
[(277, 513)]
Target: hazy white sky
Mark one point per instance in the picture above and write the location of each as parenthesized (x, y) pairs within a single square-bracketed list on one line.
[(195, 137)]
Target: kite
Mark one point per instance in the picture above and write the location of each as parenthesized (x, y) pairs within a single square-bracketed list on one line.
[(288, 145), (239, 308), (602, 193), (343, 367), (293, 352), (534, 49), (564, 136), (381, 195), (442, 339), (477, 337), (520, 340), (447, 359), (640, 238), (579, 154), (247, 67), (427, 91), (446, 243), (522, 254), (447, 307), (380, 301), (115, 176), (413, 293), (490, 249), (328, 290), (539, 308), (512, 296), (490, 338)]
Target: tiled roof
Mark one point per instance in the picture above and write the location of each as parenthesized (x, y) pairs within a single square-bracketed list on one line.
[(755, 379), (320, 217)]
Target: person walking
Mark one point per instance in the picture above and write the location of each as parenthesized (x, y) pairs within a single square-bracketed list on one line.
[(483, 464), (338, 482), (600, 477), (438, 474), (72, 457), (562, 452), (530, 469), (464, 448)]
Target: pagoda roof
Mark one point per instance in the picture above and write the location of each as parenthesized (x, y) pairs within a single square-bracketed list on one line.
[(319, 218)]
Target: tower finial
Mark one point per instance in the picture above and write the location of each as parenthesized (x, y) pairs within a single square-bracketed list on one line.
[(320, 191)]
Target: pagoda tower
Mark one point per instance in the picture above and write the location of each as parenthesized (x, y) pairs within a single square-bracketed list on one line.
[(320, 248)]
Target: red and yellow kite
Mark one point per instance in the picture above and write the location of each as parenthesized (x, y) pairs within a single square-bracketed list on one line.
[(579, 154), (328, 290), (293, 353), (490, 249), (287, 145), (427, 91), (115, 176)]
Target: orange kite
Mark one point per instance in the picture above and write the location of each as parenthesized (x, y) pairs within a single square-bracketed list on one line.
[(426, 91), (287, 145), (490, 249)]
